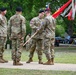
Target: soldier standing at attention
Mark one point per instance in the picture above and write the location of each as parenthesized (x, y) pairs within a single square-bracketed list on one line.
[(37, 41), (49, 37), (16, 33), (3, 33)]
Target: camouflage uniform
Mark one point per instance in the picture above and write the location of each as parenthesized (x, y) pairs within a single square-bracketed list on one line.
[(37, 41), (3, 36), (49, 38), (16, 31), (52, 36)]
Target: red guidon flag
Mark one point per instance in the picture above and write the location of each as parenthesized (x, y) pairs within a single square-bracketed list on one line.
[(60, 10), (69, 16)]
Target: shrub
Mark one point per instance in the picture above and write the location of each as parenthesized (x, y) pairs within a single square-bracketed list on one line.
[(59, 30)]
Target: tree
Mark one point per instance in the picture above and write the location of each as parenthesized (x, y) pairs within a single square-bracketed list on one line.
[(31, 8), (69, 24), (60, 30)]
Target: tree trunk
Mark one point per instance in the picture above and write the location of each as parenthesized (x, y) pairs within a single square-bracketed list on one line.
[(69, 26), (70, 29)]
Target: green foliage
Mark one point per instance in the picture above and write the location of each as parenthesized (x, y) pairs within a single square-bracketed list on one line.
[(33, 12), (31, 7), (60, 30), (34, 72), (28, 28)]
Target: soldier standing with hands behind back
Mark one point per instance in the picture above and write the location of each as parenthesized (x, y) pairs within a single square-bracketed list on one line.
[(3, 33), (16, 33)]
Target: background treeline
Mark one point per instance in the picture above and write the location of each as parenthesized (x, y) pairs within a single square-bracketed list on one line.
[(31, 8)]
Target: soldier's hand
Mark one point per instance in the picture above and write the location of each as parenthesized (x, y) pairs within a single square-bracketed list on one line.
[(38, 29)]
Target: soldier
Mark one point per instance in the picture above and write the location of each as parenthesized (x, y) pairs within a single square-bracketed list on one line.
[(16, 33), (37, 41), (49, 37), (3, 33)]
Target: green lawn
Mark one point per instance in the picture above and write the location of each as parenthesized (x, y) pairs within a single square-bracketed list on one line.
[(62, 55), (33, 72)]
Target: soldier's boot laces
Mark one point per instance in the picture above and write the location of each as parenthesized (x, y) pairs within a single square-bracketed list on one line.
[(47, 63), (30, 60), (52, 61), (40, 62), (17, 63)]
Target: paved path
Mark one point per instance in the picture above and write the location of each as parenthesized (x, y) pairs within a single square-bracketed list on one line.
[(36, 66)]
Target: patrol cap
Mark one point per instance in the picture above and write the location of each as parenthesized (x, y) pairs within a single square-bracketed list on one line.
[(41, 10), (47, 9), (19, 9), (3, 9)]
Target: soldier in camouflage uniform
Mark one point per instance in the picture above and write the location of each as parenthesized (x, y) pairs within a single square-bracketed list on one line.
[(16, 33), (52, 41), (37, 41), (3, 33), (49, 37)]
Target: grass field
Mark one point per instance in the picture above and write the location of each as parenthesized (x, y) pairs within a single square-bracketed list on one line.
[(33, 72), (62, 55)]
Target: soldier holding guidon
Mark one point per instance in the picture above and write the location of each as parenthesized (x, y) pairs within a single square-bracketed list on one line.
[(37, 41)]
